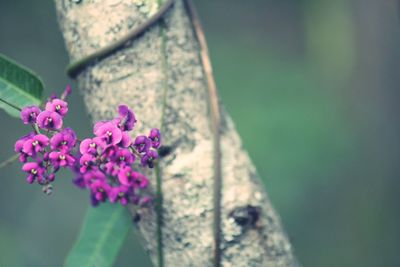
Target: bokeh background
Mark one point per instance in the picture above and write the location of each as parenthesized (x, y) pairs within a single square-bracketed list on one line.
[(313, 86)]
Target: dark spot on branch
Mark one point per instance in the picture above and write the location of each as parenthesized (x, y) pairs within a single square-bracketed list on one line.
[(136, 218), (246, 216), (164, 151)]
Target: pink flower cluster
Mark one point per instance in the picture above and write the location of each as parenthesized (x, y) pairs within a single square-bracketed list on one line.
[(107, 164), (44, 153)]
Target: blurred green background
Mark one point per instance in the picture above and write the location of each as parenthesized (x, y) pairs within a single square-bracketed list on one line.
[(313, 88)]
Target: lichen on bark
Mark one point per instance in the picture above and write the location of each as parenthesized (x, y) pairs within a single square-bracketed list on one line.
[(161, 77)]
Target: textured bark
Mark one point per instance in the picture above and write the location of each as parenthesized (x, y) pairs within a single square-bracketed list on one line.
[(161, 70)]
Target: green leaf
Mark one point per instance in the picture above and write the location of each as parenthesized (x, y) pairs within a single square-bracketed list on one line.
[(18, 86), (101, 237)]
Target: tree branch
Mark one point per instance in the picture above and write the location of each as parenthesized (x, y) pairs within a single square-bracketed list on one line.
[(250, 230)]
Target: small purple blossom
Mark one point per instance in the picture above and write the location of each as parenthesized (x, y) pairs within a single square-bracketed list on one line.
[(155, 137), (64, 140), (61, 159), (19, 145), (109, 134), (149, 158), (35, 144), (94, 175), (141, 181), (100, 191), (57, 105), (121, 158), (67, 92), (87, 162), (142, 143), (126, 119), (127, 176), (79, 181), (90, 146), (49, 120), (108, 152), (29, 114), (51, 177), (120, 193), (34, 170)]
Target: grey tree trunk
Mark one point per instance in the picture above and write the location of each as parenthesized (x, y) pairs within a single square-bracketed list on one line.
[(161, 77)]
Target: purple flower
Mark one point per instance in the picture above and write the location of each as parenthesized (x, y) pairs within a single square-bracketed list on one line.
[(35, 144), (155, 137), (34, 169), (29, 114), (149, 158), (79, 181), (61, 159), (141, 181), (109, 133), (111, 168), (142, 143), (90, 146), (128, 177), (126, 140), (49, 120), (87, 162), (46, 156), (122, 157), (57, 105), (100, 191), (64, 140), (126, 120), (109, 152), (19, 145), (67, 92), (119, 193), (93, 176), (51, 177)]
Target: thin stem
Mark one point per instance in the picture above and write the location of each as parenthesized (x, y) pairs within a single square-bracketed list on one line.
[(9, 161), (135, 152), (159, 211), (35, 128), (11, 105), (215, 118)]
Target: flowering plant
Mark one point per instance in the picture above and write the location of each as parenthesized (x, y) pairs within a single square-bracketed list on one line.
[(111, 164)]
